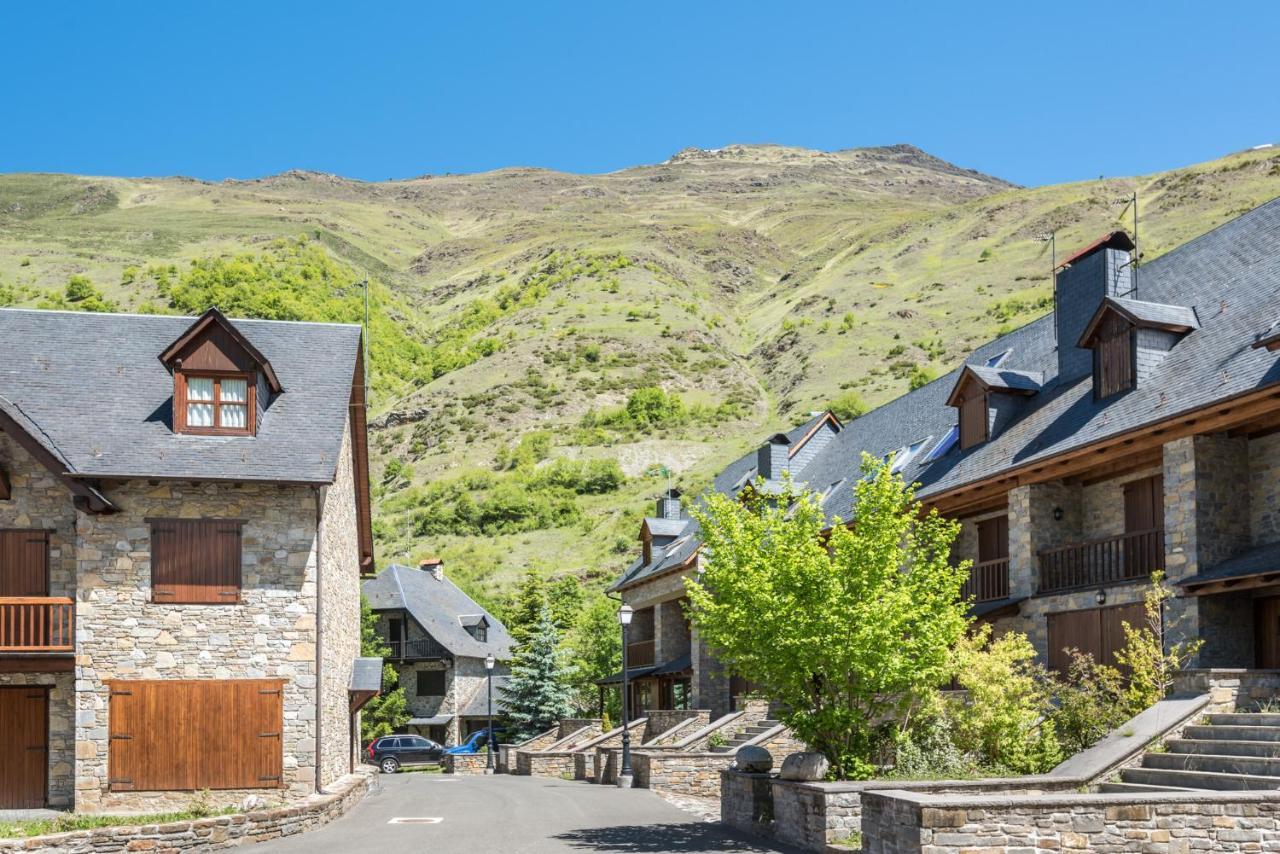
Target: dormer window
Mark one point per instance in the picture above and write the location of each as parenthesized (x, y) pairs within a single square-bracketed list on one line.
[(988, 400), (973, 419), (1113, 367), (1129, 338), (215, 404)]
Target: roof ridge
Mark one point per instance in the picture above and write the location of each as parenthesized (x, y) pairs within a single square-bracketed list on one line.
[(175, 316)]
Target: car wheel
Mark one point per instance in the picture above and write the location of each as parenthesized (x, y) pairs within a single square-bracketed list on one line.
[(390, 765)]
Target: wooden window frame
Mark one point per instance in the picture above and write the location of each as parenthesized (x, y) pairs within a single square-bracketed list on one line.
[(182, 377), (159, 597)]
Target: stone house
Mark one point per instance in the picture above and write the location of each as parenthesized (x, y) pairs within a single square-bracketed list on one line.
[(184, 517), (439, 639), (1134, 428)]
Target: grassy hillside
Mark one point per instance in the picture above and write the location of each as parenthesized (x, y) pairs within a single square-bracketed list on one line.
[(549, 349)]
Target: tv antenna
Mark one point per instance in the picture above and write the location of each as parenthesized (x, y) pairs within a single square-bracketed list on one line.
[(1052, 239)]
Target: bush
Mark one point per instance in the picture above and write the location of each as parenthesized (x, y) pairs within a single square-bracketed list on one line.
[(1090, 703), (928, 751), (585, 477), (848, 406)]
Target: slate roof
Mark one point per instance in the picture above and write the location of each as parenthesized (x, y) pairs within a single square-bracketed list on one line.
[(97, 395), (439, 606), (1156, 313), (366, 675), (1256, 561), (661, 527), (1229, 278), (1007, 378)]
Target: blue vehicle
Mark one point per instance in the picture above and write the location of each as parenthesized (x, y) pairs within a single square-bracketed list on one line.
[(473, 742)]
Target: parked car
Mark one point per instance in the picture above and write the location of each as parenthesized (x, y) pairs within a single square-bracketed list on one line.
[(473, 742), (391, 752)]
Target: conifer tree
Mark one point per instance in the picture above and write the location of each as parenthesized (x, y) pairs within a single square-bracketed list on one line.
[(531, 599), (539, 693)]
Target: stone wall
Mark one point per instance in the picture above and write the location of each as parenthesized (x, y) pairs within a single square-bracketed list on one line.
[(671, 631), (62, 731), (39, 500), (695, 774), (746, 802), (466, 763), (660, 721), (1264, 489), (1102, 504), (207, 834), (121, 634), (896, 822), (339, 619), (558, 763), (1230, 689)]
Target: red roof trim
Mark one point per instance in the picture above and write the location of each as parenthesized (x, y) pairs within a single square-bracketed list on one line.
[(1111, 240)]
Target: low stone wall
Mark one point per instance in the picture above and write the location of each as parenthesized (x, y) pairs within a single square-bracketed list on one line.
[(897, 822), (746, 802), (661, 720), (1229, 688), (557, 763), (506, 757), (466, 763), (207, 834), (607, 760), (569, 726), (782, 745), (696, 774)]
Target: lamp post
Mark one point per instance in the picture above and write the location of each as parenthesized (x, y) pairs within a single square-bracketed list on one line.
[(488, 666), (624, 773)]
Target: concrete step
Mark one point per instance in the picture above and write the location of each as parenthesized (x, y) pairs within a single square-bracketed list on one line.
[(1233, 733), (1220, 747), (1198, 779), (1245, 719), (1220, 764), (1138, 787)]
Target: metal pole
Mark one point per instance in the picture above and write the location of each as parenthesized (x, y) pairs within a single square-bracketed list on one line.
[(624, 773), (366, 342), (489, 737)]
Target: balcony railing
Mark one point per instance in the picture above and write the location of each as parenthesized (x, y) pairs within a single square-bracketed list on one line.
[(37, 624), (416, 650), (988, 581), (1102, 561), (640, 654)]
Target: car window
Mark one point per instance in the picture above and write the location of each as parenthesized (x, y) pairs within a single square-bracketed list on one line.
[(415, 741), (389, 744)]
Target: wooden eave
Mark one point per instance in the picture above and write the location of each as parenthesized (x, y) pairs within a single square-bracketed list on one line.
[(1216, 417), (209, 318), (828, 417), (683, 565), (86, 497), (1209, 587), (1271, 341), (1106, 307), (1119, 239), (359, 429)]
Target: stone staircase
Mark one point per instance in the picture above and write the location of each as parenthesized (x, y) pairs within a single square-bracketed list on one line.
[(747, 734), (1238, 751)]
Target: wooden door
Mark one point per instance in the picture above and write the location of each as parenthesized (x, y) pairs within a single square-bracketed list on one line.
[(24, 563), (1266, 632), (1098, 632), (1144, 504), (24, 747), (993, 539)]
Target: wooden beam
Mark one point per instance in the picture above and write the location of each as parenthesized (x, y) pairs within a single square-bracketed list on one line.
[(37, 663), (1233, 585)]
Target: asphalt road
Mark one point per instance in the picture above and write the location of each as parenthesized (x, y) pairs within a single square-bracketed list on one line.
[(513, 815)]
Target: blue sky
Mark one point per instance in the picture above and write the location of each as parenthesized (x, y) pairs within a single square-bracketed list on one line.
[(1033, 92)]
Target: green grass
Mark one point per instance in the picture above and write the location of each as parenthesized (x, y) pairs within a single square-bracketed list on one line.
[(76, 821)]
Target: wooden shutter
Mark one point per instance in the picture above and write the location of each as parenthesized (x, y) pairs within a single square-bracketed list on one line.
[(1096, 631), (24, 563), (1144, 504), (195, 561), (993, 539), (183, 735), (1111, 625), (973, 419), (1113, 361)]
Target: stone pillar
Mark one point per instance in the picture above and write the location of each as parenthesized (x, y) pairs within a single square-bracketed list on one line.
[(671, 631), (1032, 527), (710, 681)]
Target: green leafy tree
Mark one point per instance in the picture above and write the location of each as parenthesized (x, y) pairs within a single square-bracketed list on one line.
[(843, 625), (1151, 665), (848, 406), (388, 711), (539, 691), (596, 645)]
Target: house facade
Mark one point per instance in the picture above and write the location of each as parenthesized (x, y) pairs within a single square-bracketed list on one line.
[(184, 518), (1135, 428), (439, 638)]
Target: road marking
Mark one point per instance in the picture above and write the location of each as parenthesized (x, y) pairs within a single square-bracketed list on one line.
[(403, 820)]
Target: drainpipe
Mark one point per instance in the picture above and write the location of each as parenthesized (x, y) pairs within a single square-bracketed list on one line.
[(321, 492)]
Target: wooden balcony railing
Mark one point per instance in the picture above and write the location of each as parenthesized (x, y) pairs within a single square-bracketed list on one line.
[(37, 624), (640, 654), (422, 649), (988, 581), (1102, 561)]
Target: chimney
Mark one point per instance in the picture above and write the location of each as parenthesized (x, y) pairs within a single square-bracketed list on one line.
[(1100, 270), (435, 566), (773, 457), (669, 505)]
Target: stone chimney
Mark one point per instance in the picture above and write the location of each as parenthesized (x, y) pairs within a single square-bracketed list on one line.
[(1100, 270), (435, 566), (773, 458), (669, 504)]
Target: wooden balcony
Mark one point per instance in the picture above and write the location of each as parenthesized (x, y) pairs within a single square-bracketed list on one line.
[(988, 581), (640, 654), (32, 624), (1108, 560), (423, 649)]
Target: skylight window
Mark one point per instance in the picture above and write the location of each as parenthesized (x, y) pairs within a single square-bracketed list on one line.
[(904, 455), (945, 444), (995, 361)]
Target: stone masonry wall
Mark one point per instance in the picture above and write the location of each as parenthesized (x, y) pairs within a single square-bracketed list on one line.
[(1264, 489), (671, 631), (746, 802), (659, 721), (62, 730), (121, 634), (695, 774), (1102, 504), (339, 619), (466, 763)]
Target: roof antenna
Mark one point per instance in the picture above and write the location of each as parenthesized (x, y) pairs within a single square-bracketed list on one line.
[(1052, 239)]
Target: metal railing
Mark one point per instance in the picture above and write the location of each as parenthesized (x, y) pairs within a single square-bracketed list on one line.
[(640, 654), (988, 581), (37, 624), (416, 650), (1102, 561)]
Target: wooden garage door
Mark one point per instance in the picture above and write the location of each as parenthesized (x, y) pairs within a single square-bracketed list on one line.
[(24, 747), (195, 734), (24, 563), (1096, 631)]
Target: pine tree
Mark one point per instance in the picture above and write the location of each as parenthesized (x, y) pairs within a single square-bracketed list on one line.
[(565, 597), (530, 601), (538, 693), (388, 711)]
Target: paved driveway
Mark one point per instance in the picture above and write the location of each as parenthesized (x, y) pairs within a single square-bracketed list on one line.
[(513, 815)]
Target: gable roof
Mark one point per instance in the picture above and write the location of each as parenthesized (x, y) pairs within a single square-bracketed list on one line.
[(213, 317), (995, 379), (438, 605), (1149, 315), (99, 393)]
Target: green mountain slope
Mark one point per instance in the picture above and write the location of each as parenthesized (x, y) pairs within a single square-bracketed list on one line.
[(751, 284)]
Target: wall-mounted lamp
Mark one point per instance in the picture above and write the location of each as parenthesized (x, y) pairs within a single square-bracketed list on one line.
[(1100, 597), (1057, 514)]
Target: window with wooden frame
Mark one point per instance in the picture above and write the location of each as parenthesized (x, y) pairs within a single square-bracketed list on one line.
[(195, 561), (973, 419), (1113, 359), (218, 404), (430, 683)]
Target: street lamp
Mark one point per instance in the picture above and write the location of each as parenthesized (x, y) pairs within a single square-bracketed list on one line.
[(624, 773), (488, 666)]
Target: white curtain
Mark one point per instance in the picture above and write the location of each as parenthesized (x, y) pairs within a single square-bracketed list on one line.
[(235, 393), (199, 414)]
